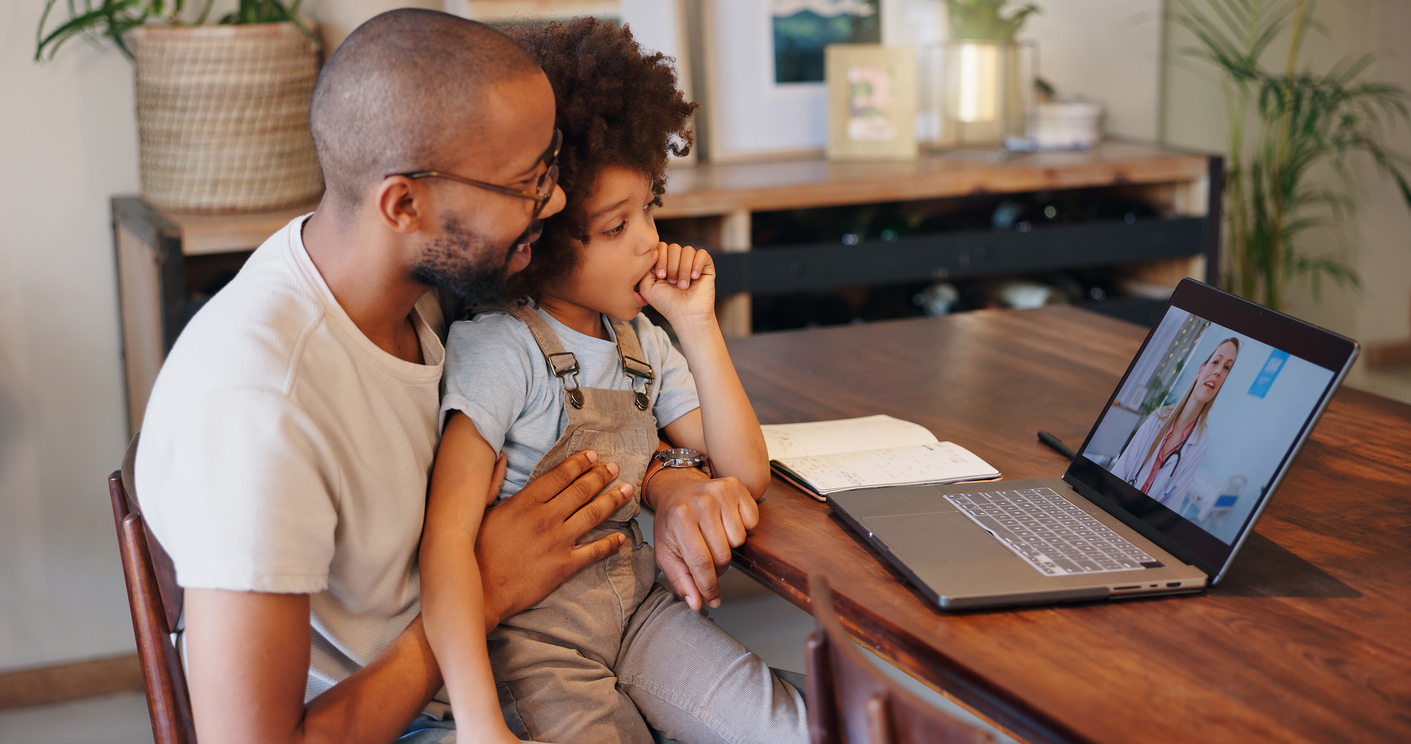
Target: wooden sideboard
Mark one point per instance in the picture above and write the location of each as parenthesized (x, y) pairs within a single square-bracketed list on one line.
[(165, 259)]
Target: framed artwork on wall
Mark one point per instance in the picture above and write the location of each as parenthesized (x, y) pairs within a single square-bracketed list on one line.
[(871, 102), (760, 70)]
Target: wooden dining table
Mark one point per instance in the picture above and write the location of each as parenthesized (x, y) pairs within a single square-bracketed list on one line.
[(1308, 638)]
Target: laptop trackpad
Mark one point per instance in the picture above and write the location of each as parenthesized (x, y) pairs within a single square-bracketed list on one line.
[(938, 537)]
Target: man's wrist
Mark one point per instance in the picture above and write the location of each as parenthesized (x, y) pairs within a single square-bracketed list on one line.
[(663, 478), (493, 609)]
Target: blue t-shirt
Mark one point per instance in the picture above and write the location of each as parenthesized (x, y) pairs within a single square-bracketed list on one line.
[(496, 375)]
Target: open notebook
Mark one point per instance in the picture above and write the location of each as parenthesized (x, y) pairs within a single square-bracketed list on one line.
[(824, 457)]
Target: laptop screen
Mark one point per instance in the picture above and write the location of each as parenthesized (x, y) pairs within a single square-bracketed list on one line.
[(1207, 418)]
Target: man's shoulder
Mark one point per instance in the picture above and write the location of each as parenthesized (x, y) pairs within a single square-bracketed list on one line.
[(250, 334)]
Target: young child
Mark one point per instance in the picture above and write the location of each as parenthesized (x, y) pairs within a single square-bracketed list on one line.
[(578, 367)]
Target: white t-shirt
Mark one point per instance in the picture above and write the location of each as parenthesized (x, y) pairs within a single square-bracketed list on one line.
[(282, 451)]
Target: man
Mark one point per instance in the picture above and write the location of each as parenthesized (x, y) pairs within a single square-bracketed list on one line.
[(288, 441)]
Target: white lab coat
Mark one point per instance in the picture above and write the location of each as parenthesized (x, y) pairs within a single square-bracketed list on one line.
[(1134, 466)]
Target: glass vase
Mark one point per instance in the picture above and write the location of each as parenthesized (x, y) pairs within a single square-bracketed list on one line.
[(978, 93)]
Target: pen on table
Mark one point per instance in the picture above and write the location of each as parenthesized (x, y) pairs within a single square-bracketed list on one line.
[(1056, 444)]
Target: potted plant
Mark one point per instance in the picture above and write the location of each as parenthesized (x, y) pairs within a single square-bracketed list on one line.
[(222, 110), (987, 75), (1282, 125)]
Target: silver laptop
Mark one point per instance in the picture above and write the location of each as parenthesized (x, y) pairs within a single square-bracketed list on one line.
[(1162, 493)]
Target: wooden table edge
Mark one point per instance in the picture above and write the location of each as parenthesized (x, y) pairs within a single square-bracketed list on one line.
[(912, 655)]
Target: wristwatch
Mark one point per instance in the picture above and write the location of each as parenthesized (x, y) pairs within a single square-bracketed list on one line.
[(680, 457), (677, 457)]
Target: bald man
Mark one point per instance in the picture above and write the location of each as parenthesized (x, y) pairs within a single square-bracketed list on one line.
[(288, 442)]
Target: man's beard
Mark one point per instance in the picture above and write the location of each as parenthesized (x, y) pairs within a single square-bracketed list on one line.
[(464, 264)]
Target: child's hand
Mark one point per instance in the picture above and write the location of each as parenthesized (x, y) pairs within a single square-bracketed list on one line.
[(681, 285)]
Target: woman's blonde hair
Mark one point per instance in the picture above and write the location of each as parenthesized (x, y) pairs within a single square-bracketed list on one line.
[(1168, 413)]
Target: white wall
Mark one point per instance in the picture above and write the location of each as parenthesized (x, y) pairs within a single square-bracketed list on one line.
[(1376, 240), (67, 142), (1385, 264), (1108, 51)]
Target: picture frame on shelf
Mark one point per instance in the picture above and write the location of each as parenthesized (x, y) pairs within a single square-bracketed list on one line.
[(747, 113), (871, 102)]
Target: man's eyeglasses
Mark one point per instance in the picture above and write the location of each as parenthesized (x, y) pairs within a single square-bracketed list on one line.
[(543, 188)]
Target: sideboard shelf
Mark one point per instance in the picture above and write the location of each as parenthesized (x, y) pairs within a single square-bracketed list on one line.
[(167, 260)]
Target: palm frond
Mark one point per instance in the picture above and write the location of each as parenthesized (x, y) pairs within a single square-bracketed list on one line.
[(1284, 127)]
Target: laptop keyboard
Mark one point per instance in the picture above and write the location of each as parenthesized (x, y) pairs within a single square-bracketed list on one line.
[(1051, 534)]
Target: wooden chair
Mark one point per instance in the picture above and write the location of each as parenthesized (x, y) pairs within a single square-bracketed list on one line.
[(155, 599), (852, 702)]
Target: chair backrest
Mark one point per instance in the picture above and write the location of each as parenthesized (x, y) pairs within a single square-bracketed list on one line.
[(852, 702), (155, 599)]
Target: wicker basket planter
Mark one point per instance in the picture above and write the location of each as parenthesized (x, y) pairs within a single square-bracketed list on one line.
[(222, 117)]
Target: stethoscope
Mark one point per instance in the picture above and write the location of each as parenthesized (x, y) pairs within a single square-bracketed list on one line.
[(1173, 461)]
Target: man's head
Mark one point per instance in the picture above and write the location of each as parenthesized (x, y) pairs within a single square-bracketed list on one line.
[(413, 91)]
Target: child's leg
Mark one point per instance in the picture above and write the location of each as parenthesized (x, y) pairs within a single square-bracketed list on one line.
[(550, 692), (553, 662), (697, 684)]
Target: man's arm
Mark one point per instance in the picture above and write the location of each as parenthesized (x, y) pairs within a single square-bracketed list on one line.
[(248, 652), (248, 664)]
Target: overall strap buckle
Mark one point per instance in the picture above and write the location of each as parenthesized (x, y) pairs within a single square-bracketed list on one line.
[(564, 365), (629, 352), (635, 369)]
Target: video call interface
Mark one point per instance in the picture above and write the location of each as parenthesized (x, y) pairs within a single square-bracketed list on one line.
[(1204, 420)]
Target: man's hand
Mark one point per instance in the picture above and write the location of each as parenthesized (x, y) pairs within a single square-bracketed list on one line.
[(527, 546), (698, 520)]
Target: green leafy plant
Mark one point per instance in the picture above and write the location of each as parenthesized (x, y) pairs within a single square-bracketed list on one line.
[(1282, 125), (981, 20), (114, 18)]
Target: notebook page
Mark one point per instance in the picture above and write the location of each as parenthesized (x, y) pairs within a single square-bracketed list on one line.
[(844, 435), (941, 462)]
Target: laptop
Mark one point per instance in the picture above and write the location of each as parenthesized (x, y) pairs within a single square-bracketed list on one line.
[(1163, 492)]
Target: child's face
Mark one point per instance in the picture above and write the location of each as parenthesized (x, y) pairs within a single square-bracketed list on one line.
[(621, 247)]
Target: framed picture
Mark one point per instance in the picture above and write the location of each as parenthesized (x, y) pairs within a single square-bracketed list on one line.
[(760, 70), (871, 102)]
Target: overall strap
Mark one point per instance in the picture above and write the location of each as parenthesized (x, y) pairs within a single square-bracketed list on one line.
[(634, 362), (562, 364)]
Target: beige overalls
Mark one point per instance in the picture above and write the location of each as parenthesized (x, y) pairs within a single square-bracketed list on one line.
[(611, 646)]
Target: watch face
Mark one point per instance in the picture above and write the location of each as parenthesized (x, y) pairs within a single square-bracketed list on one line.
[(680, 457)]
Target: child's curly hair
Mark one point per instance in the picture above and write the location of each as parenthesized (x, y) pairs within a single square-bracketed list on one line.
[(617, 106)]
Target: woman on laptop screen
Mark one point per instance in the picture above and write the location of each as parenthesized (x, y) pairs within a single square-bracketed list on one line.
[(1170, 445)]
